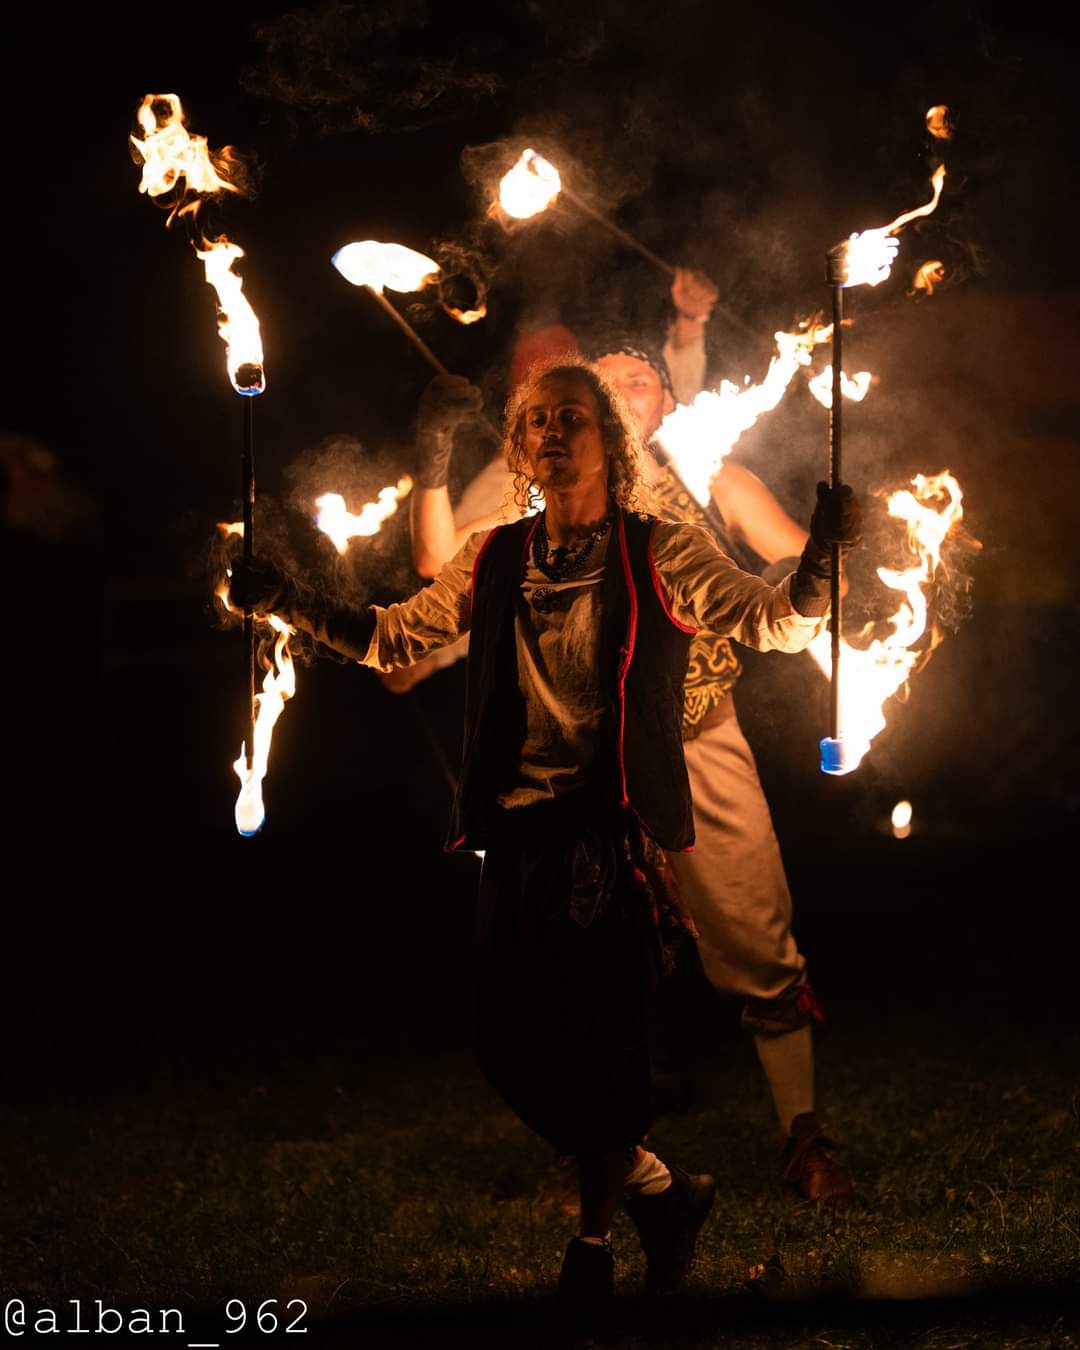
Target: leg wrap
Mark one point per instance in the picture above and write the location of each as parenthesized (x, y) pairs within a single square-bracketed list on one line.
[(796, 1007)]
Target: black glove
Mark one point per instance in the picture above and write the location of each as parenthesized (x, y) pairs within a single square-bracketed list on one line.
[(264, 588), (837, 519), (447, 402), (257, 584)]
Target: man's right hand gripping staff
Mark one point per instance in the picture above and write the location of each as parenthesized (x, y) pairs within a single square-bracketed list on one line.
[(261, 586), (837, 519)]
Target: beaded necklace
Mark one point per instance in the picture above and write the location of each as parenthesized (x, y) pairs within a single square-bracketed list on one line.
[(565, 560)]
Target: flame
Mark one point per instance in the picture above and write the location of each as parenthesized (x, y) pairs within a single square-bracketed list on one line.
[(927, 276), (699, 435), (173, 160), (938, 123), (369, 263), (937, 182), (466, 316), (867, 258), (871, 675), (279, 685), (238, 327), (854, 387), (530, 186), (171, 157), (901, 819), (235, 527), (334, 520)]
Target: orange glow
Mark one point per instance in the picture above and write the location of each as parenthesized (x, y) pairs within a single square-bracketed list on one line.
[(369, 263), (869, 676), (335, 520), (236, 527), (901, 820), (938, 123), (466, 316), (927, 276), (530, 186)]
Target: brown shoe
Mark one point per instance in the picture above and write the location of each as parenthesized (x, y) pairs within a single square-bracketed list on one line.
[(807, 1167)]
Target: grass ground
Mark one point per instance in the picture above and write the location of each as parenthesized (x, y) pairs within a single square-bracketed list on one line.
[(398, 1194)]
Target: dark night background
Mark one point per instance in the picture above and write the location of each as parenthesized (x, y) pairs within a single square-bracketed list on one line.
[(141, 928)]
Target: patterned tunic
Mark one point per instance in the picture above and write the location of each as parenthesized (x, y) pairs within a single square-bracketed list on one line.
[(714, 667)]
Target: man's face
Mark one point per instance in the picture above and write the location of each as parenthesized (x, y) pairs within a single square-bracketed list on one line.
[(640, 387), (563, 440)]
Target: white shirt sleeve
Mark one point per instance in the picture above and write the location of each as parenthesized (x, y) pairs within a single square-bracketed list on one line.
[(432, 618), (686, 365), (706, 589)]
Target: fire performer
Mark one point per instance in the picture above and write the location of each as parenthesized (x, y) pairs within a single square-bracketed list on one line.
[(733, 882), (573, 779)]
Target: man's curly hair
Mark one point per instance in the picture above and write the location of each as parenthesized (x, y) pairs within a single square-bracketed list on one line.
[(626, 481)]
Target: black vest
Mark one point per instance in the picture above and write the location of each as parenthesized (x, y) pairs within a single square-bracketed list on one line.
[(642, 666)]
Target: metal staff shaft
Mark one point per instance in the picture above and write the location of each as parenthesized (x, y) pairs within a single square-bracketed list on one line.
[(621, 234), (647, 253), (410, 332), (835, 478), (247, 491), (419, 343)]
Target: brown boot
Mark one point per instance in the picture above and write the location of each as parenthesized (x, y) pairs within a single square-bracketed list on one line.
[(807, 1167)]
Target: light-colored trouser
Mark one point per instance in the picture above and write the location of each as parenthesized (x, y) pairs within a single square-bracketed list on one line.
[(733, 883)]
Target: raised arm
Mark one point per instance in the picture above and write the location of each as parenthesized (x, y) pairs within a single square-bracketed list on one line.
[(693, 296), (448, 402)]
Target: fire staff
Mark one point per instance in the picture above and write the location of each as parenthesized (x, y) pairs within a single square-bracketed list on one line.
[(573, 777)]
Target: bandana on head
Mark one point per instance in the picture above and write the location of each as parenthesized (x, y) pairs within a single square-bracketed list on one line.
[(621, 344)]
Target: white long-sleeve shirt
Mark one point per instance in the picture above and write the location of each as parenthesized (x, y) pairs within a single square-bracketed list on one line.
[(558, 645)]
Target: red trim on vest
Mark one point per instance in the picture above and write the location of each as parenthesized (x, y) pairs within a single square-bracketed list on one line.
[(658, 587), (476, 561), (525, 547), (627, 656)]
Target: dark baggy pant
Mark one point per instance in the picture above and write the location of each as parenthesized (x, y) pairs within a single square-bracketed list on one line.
[(568, 962)]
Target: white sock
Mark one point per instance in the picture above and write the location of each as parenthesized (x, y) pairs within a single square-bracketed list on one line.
[(649, 1177), (788, 1062)]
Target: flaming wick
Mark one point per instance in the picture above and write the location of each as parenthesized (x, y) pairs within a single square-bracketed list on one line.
[(866, 259), (374, 266), (550, 186)]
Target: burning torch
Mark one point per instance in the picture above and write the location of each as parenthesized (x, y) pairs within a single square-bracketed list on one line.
[(376, 266), (182, 169), (534, 183), (864, 259)]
